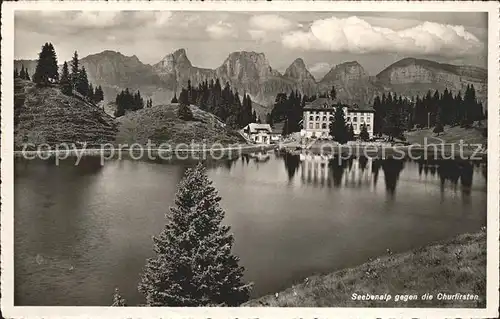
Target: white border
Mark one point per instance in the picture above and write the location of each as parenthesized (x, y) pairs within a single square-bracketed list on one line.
[(7, 217)]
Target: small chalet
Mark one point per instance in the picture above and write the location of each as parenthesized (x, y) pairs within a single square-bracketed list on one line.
[(258, 133)]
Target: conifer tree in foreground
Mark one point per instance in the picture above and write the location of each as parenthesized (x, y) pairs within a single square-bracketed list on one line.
[(193, 263), (118, 300)]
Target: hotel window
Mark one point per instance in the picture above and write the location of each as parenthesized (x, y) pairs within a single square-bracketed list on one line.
[(323, 126), (311, 118), (348, 119), (331, 117), (311, 126), (324, 118), (368, 127), (355, 119), (317, 125), (355, 126), (317, 118)]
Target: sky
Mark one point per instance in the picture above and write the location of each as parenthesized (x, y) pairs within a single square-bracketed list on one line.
[(321, 39)]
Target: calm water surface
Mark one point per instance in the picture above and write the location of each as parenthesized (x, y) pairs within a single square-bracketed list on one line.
[(81, 231)]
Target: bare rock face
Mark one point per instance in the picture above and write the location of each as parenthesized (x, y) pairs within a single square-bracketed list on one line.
[(412, 76), (298, 72), (175, 70), (250, 72), (352, 83)]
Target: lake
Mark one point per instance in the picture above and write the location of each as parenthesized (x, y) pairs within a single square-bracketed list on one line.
[(81, 231)]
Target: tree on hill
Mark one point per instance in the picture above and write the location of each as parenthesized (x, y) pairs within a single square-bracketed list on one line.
[(16, 73), (183, 97), (193, 264), (24, 73), (82, 85), (65, 80), (46, 68), (338, 128), (75, 70), (126, 101), (99, 94), (364, 135), (174, 99)]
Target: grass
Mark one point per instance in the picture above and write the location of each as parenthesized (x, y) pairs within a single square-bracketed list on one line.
[(46, 115), (458, 265), (450, 135), (160, 124)]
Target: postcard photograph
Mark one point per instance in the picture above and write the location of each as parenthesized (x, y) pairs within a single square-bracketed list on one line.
[(246, 159)]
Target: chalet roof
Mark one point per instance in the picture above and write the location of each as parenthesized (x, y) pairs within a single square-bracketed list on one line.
[(255, 127), (324, 103)]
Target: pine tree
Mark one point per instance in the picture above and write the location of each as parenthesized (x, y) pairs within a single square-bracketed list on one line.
[(183, 97), (26, 75), (254, 117), (118, 300), (46, 68), (82, 83), (75, 71), (193, 263), (364, 135), (174, 99), (65, 80), (350, 133), (338, 128), (333, 93), (16, 73)]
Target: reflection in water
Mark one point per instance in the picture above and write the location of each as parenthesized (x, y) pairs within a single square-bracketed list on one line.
[(392, 169), (359, 172), (90, 226)]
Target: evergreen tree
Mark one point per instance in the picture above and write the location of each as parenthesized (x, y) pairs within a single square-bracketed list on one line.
[(26, 75), (16, 73), (350, 133), (65, 81), (193, 263), (254, 117), (118, 300), (333, 93), (82, 83), (174, 99), (269, 119), (364, 135), (75, 71), (338, 128), (46, 68)]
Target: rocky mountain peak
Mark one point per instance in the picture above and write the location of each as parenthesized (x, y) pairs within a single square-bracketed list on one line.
[(246, 65), (347, 71), (298, 71)]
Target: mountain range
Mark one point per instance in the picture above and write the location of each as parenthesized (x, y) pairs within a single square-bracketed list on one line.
[(251, 72)]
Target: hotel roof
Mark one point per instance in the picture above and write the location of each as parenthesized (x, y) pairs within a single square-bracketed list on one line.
[(324, 103)]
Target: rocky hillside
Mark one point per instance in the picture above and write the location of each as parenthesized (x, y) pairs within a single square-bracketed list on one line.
[(412, 76), (46, 115), (352, 83), (160, 124), (175, 70), (298, 72), (252, 73)]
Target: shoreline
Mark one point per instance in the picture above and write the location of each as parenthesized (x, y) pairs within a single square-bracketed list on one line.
[(446, 151), (448, 267)]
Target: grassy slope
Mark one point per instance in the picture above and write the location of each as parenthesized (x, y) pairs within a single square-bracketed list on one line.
[(160, 124), (46, 115), (450, 135), (454, 266)]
